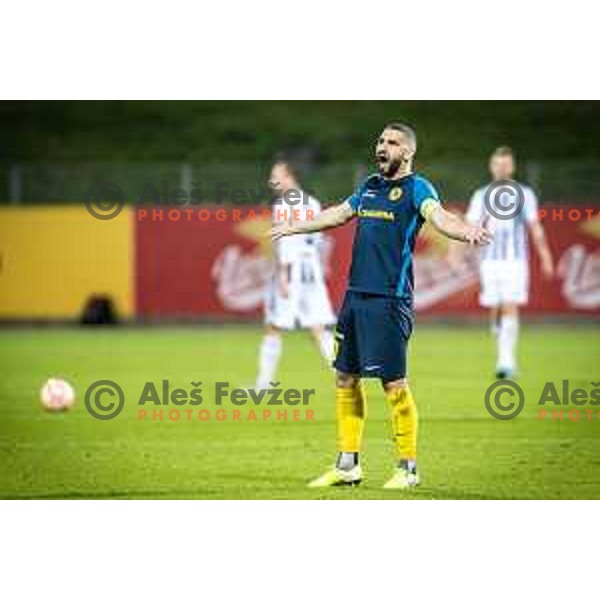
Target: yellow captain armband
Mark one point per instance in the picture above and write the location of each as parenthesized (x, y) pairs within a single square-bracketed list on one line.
[(428, 206)]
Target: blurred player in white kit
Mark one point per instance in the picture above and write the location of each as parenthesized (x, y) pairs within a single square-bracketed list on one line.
[(504, 264), (296, 295)]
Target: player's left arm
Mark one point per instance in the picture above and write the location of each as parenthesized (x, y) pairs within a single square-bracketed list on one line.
[(452, 226), (542, 248), (538, 236)]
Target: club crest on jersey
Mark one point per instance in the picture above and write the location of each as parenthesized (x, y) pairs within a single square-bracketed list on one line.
[(395, 194)]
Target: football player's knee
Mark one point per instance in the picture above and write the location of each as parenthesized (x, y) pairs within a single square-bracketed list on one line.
[(272, 330), (509, 309), (344, 380), (397, 384), (400, 399), (317, 332)]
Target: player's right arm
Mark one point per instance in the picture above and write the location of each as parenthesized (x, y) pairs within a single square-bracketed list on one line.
[(326, 219), (283, 279)]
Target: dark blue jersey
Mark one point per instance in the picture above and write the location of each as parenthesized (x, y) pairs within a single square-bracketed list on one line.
[(389, 214)]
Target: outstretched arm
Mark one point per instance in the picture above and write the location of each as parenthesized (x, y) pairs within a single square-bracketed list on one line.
[(453, 227), (326, 219)]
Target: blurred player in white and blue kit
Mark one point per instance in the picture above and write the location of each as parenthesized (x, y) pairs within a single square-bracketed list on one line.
[(296, 294), (511, 211)]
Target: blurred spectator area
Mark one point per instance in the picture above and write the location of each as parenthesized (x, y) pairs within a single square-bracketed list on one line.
[(51, 152), (31, 183)]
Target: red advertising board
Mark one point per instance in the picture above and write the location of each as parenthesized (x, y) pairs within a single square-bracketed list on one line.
[(215, 264)]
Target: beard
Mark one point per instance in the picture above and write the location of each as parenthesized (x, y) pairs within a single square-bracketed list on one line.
[(388, 168)]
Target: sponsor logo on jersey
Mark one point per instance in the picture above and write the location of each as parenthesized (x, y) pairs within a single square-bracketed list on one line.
[(387, 215), (395, 194)]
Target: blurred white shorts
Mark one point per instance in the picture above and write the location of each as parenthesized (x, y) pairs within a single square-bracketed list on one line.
[(307, 304), (503, 282)]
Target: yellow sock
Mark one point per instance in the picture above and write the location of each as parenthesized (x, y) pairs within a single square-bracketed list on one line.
[(404, 423), (351, 411)]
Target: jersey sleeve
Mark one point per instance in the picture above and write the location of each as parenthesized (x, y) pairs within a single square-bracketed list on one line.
[(425, 197), (530, 206), (354, 199), (475, 210)]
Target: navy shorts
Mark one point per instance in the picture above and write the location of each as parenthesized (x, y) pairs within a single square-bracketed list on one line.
[(372, 336)]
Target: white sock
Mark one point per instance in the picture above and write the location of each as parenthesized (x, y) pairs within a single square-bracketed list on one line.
[(327, 346), (507, 342), (268, 359), (495, 327)]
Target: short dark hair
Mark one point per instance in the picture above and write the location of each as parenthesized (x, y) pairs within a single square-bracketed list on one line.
[(503, 151), (291, 168), (407, 130)]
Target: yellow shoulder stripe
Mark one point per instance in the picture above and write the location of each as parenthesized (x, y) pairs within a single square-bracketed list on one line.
[(428, 206)]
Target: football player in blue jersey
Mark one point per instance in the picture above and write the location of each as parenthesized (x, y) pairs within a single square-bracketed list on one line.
[(376, 319)]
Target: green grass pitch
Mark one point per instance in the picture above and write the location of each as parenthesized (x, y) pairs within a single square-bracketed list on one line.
[(464, 452)]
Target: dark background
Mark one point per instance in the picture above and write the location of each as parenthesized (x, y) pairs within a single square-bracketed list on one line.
[(50, 152)]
